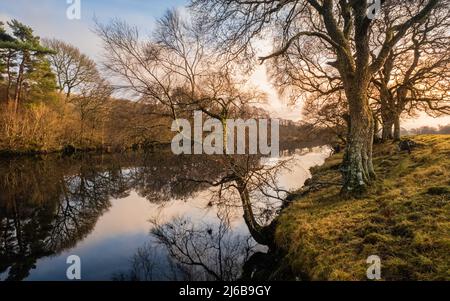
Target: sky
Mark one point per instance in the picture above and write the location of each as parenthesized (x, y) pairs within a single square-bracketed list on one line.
[(49, 20)]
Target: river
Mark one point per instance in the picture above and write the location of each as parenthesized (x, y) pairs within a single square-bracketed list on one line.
[(127, 217)]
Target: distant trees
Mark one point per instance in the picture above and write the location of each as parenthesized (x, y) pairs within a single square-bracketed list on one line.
[(428, 130), (84, 88)]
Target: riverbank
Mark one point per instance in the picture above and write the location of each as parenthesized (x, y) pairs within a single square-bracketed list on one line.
[(403, 219), (71, 150)]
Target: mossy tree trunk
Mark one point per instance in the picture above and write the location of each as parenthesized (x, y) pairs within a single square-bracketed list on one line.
[(358, 171)]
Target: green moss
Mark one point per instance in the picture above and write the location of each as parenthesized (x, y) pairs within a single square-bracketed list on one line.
[(404, 219)]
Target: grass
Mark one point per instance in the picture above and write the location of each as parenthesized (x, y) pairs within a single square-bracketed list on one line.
[(404, 219)]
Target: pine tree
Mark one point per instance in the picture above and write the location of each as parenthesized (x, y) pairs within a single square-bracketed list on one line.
[(27, 65), (40, 80), (8, 52)]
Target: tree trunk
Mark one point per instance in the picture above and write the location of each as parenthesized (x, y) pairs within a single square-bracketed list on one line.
[(260, 234), (397, 129), (376, 127), (387, 113), (358, 171), (19, 82), (9, 81), (387, 130)]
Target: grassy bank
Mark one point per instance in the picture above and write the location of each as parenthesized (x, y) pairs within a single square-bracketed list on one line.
[(404, 219)]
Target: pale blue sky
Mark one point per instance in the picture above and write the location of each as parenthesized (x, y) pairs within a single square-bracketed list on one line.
[(48, 17)]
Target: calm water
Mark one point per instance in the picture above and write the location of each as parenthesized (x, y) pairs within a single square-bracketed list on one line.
[(128, 217)]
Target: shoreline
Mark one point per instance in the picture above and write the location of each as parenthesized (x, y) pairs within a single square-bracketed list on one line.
[(72, 151)]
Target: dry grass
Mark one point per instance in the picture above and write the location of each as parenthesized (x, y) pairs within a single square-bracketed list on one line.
[(404, 219)]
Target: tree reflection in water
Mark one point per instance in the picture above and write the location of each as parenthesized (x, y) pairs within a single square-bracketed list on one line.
[(48, 205), (214, 251), (206, 252), (44, 209)]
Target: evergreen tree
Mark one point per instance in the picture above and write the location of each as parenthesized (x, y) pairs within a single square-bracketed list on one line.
[(26, 63), (8, 52), (40, 80)]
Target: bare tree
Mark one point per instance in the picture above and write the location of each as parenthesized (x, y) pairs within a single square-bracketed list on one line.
[(72, 68), (329, 112), (341, 27), (84, 88), (155, 70), (92, 102), (174, 69)]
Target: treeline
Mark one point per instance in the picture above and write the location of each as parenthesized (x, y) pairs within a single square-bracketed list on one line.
[(53, 98), (428, 130)]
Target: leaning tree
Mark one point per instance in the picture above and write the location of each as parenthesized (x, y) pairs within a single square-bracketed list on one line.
[(342, 28)]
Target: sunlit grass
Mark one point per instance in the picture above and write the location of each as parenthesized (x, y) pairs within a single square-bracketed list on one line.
[(404, 219)]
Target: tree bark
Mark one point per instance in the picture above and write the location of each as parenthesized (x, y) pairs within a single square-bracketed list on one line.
[(387, 131), (387, 103), (376, 127), (358, 171), (397, 129)]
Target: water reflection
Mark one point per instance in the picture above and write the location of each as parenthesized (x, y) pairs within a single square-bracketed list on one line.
[(99, 207), (186, 250)]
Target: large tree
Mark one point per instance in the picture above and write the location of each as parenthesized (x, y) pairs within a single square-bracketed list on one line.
[(344, 28)]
